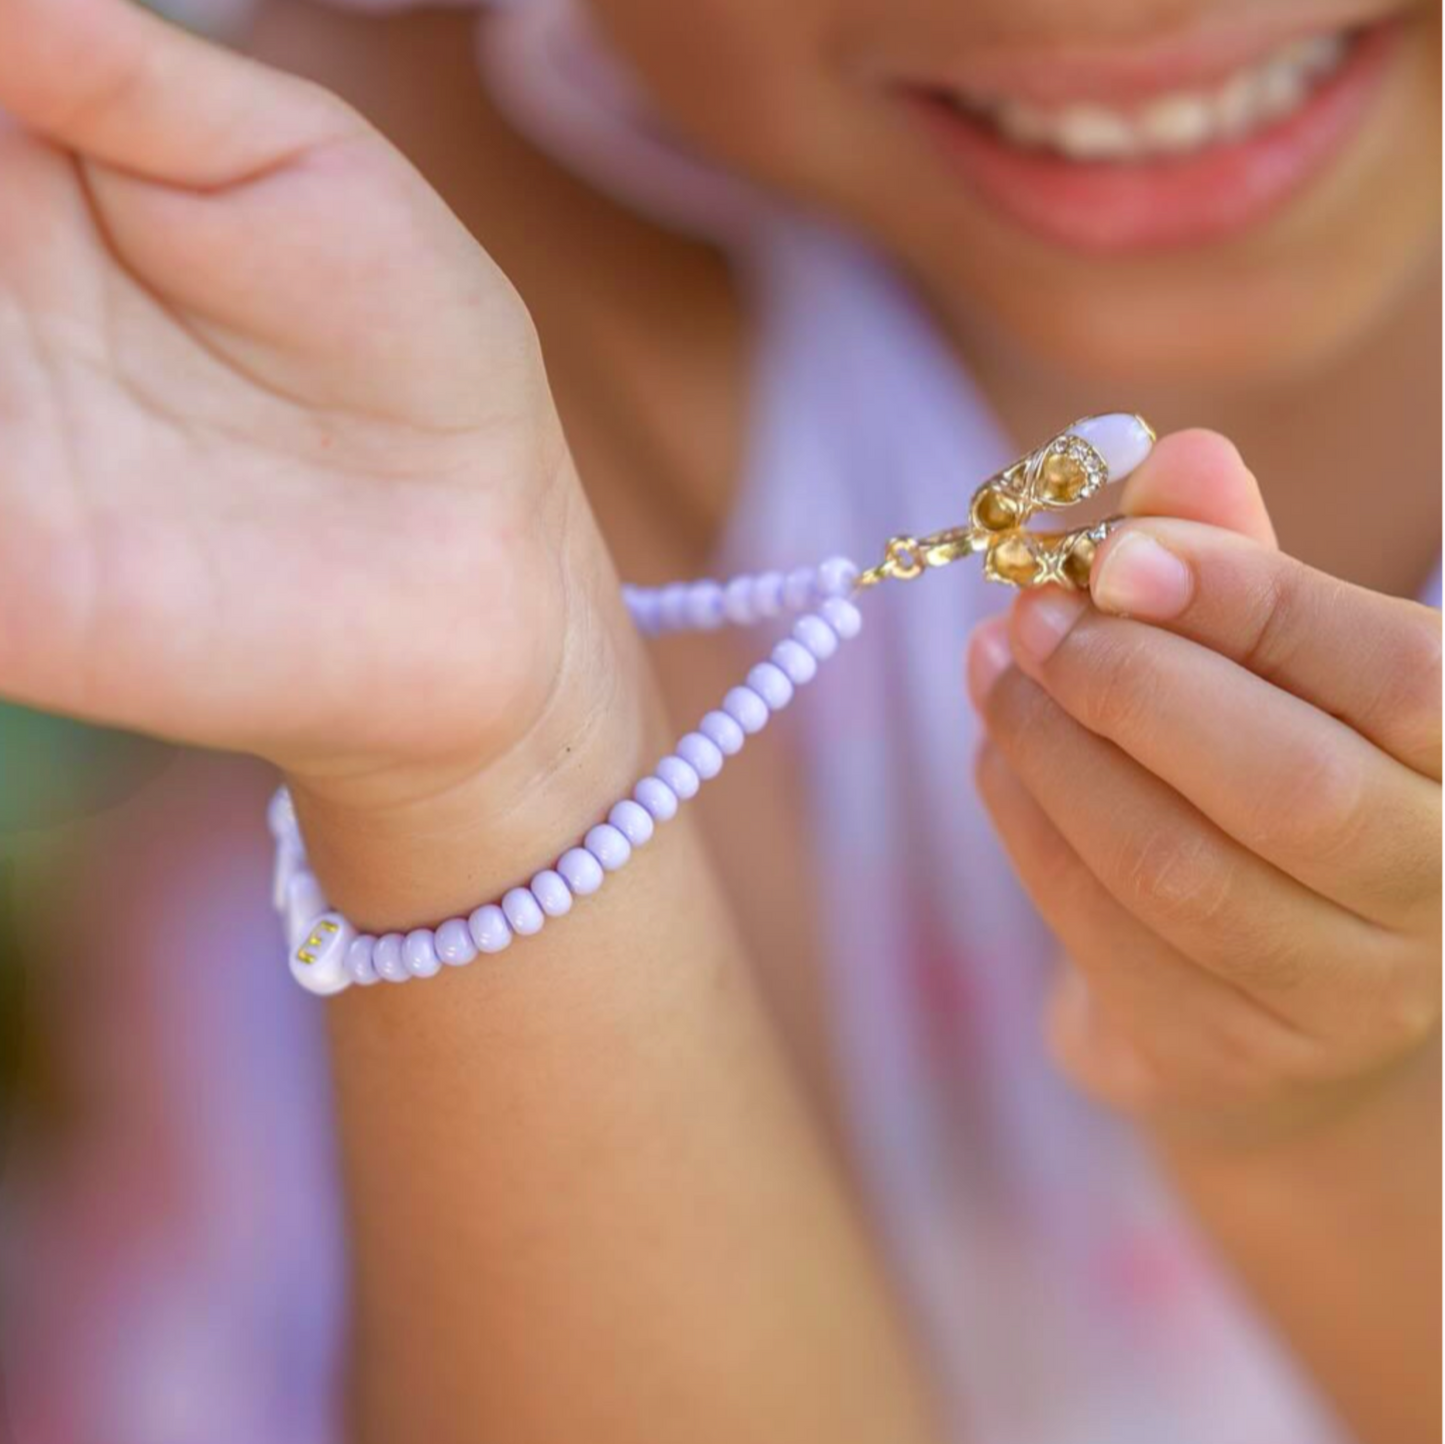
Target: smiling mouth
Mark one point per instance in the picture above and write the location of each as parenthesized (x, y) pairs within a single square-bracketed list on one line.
[(1168, 151), (1172, 123)]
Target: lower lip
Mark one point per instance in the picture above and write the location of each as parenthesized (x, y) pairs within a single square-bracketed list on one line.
[(1119, 207)]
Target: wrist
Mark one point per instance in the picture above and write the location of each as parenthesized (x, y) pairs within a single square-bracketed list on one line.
[(411, 844)]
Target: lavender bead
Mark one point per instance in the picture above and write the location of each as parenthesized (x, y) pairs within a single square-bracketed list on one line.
[(672, 607), (747, 709), (419, 953), (582, 871), (523, 912), (705, 606), (387, 959), (768, 594), (798, 589), (723, 732), (608, 846), (795, 661), (552, 893), (702, 754), (837, 577), (738, 602), (657, 797), (680, 776), (633, 821), (359, 965), (771, 683), (454, 943), (816, 635), (842, 616), (489, 929), (646, 609)]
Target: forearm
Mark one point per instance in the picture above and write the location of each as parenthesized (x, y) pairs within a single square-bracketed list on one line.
[(1337, 1236), (585, 1202)]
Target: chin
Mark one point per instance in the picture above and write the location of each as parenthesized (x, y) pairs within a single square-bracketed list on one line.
[(1217, 328)]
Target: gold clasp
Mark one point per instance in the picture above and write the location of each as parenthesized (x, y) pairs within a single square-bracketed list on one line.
[(907, 557)]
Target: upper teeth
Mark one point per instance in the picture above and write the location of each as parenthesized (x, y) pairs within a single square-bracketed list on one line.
[(1180, 121)]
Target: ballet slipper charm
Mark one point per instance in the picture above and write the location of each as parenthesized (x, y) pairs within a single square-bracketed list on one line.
[(1063, 472)]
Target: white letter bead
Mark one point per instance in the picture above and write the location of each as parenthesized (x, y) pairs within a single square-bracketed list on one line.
[(842, 616), (657, 797), (523, 912), (288, 861), (798, 664), (551, 891), (454, 943), (771, 683), (305, 902), (318, 963), (608, 846), (723, 732), (816, 635), (281, 815), (633, 821), (702, 754), (680, 776), (747, 709), (490, 930)]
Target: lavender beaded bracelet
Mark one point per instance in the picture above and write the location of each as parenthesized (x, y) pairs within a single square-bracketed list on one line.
[(327, 954)]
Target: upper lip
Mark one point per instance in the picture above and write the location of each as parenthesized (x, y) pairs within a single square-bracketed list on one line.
[(1131, 70)]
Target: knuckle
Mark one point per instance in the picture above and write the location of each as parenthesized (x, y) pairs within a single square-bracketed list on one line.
[(1119, 695), (1406, 704), (1318, 803), (1272, 625), (102, 85), (1175, 876), (1012, 703), (1250, 1058), (1403, 1007)]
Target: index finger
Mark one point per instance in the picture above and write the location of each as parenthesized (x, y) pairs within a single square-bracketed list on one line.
[(126, 88), (1371, 660)]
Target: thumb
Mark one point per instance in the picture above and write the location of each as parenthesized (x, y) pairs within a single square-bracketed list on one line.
[(1200, 476)]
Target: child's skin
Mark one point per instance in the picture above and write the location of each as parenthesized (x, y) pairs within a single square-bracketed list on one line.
[(282, 474)]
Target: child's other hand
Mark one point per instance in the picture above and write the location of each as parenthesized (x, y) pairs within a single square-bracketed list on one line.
[(279, 468), (1227, 806)]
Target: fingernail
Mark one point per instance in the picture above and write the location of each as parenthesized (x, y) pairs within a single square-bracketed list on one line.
[(988, 657), (1042, 620), (1139, 577)]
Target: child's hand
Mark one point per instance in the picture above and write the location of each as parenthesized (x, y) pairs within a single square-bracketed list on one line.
[(1227, 806), (279, 468)]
